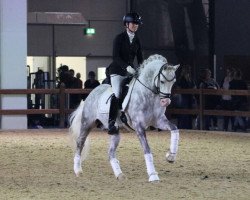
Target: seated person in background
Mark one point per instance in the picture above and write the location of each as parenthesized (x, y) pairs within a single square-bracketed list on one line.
[(239, 102), (211, 101), (226, 100), (185, 81)]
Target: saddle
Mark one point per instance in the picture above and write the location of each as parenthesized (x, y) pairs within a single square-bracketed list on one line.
[(105, 100)]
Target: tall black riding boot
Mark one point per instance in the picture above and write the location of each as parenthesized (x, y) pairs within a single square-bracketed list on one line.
[(113, 111), (123, 117)]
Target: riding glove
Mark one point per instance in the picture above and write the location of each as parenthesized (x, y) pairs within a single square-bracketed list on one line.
[(130, 70)]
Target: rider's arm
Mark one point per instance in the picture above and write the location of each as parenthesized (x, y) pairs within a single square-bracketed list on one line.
[(117, 45)]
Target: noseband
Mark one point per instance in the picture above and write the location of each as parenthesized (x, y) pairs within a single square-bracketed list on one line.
[(158, 91)]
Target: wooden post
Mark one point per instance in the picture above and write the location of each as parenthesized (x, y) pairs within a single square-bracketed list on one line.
[(201, 108), (62, 105)]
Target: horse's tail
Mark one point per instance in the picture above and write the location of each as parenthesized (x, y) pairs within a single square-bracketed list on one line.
[(75, 119)]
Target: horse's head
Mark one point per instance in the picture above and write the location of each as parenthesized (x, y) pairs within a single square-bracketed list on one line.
[(160, 74), (164, 81)]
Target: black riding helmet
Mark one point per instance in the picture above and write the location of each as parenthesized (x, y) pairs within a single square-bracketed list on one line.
[(132, 17)]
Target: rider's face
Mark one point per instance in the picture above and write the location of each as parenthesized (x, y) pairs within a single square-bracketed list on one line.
[(132, 26)]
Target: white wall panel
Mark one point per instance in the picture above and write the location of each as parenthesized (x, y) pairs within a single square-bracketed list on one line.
[(13, 52)]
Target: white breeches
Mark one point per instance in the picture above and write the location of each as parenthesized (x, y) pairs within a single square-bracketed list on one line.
[(116, 83)]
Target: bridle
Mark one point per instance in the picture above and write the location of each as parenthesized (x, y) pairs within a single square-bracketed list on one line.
[(157, 86)]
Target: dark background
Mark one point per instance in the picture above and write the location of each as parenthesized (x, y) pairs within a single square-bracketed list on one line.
[(183, 31)]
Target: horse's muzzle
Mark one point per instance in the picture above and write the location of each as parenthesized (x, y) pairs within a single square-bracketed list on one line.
[(165, 102)]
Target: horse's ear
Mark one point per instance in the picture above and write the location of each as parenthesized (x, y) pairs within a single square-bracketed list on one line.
[(176, 67)]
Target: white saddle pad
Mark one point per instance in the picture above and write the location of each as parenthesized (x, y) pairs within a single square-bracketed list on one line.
[(127, 98), (104, 100)]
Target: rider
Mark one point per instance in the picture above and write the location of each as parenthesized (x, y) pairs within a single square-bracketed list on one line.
[(126, 47)]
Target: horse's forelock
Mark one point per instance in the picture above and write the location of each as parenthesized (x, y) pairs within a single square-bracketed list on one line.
[(169, 67), (165, 66), (168, 71)]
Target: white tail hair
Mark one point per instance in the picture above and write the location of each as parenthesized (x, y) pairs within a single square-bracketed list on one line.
[(75, 130)]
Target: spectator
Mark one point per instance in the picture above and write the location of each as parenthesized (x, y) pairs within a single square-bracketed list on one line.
[(91, 83), (64, 76), (239, 102), (107, 79), (72, 79), (75, 99), (226, 100), (39, 84), (186, 100), (71, 83), (211, 101), (78, 81)]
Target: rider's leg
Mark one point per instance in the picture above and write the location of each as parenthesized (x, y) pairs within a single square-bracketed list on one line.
[(122, 96), (116, 83), (113, 111)]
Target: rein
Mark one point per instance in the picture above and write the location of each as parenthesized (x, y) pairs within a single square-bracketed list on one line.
[(155, 92), (158, 91)]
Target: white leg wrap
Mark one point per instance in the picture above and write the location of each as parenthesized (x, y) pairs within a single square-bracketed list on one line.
[(174, 141), (150, 163), (116, 167), (77, 164), (153, 175)]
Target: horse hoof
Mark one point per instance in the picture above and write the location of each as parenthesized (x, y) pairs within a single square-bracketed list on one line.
[(78, 173), (155, 182), (121, 177), (154, 178), (170, 157)]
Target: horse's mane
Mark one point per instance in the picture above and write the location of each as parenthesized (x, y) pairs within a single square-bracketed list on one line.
[(155, 57)]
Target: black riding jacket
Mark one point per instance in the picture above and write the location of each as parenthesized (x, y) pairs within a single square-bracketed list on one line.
[(124, 53)]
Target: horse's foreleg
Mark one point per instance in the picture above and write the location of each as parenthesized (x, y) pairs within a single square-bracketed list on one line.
[(165, 124), (80, 143), (174, 141), (114, 142), (152, 174)]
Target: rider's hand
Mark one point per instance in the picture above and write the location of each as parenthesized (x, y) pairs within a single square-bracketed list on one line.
[(130, 70)]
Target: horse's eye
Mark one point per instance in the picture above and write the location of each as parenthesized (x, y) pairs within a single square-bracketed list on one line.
[(162, 82)]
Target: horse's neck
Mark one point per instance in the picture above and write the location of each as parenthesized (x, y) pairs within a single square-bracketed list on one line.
[(148, 75)]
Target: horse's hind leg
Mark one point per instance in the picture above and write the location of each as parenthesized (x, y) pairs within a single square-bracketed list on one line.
[(114, 142), (80, 143)]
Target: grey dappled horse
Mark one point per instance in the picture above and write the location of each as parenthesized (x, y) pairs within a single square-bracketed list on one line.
[(144, 106)]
